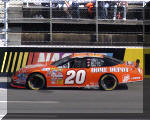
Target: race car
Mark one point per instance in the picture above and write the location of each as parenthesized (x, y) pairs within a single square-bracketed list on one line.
[(78, 70)]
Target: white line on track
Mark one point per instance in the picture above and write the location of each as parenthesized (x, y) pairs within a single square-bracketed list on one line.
[(1, 116), (3, 89), (45, 102)]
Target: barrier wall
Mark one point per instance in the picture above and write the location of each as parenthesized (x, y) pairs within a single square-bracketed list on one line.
[(12, 59), (146, 64)]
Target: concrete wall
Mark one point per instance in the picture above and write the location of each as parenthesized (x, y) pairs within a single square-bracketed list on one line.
[(15, 12), (14, 38), (73, 39)]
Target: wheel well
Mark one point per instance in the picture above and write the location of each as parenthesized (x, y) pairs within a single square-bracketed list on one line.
[(37, 73), (109, 74)]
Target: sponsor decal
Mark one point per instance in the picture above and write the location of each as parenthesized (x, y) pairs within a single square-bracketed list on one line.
[(111, 69), (21, 78), (59, 69), (48, 74), (134, 78), (56, 76), (53, 73), (59, 75), (95, 70), (140, 71), (45, 69), (92, 84), (126, 78), (53, 68), (53, 82), (75, 77), (119, 69), (20, 81), (53, 79), (60, 81)]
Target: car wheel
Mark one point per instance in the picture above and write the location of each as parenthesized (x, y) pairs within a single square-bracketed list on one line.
[(36, 82), (108, 82)]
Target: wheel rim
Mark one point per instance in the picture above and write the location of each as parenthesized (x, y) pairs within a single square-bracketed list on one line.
[(35, 83), (109, 82)]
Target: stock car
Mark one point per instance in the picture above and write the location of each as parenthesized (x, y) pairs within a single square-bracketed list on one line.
[(78, 70)]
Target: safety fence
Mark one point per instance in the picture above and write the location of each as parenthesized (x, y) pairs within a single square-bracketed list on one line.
[(69, 9), (74, 22)]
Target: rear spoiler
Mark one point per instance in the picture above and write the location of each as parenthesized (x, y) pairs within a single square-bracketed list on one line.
[(136, 63)]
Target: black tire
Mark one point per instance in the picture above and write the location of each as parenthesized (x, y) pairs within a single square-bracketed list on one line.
[(108, 82), (36, 82)]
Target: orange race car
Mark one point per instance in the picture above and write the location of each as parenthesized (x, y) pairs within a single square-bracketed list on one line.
[(78, 70)]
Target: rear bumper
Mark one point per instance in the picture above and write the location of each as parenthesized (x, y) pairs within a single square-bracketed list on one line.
[(131, 81)]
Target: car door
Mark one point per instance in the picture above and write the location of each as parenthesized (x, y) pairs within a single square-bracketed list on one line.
[(75, 72), (97, 69)]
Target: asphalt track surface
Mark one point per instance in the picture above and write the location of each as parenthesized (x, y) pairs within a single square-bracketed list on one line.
[(125, 99)]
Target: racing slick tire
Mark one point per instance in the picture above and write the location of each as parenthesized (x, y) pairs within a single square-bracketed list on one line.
[(36, 81), (108, 82)]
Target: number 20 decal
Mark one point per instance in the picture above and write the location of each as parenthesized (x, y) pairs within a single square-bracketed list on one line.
[(73, 77)]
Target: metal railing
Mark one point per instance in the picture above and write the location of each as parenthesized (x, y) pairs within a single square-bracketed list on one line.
[(50, 12), (107, 9)]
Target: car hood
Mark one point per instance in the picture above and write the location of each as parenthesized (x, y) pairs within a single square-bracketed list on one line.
[(35, 67)]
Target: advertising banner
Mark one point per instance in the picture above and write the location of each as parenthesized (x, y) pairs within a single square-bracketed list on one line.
[(14, 59)]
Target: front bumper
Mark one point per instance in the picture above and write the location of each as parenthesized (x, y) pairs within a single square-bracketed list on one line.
[(16, 85)]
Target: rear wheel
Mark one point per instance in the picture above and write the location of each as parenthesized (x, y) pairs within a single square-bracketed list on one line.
[(108, 82), (36, 82)]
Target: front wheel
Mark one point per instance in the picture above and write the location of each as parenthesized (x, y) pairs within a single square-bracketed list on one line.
[(36, 82), (108, 82)]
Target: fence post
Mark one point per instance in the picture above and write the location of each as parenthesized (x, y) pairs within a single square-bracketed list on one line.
[(50, 20), (143, 21), (97, 20), (6, 21)]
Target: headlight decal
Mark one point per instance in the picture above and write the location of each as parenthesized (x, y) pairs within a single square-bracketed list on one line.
[(22, 75), (21, 78)]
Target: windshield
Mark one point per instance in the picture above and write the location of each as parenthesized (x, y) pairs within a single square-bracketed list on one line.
[(59, 62)]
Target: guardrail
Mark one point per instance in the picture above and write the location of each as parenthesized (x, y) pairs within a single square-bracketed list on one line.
[(87, 38)]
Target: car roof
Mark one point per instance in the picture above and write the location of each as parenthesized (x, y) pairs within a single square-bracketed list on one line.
[(82, 55)]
